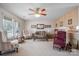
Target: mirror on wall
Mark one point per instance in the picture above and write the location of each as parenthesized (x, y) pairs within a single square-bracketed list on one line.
[(40, 26)]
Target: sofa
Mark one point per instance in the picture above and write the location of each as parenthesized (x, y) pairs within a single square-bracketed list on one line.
[(40, 35)]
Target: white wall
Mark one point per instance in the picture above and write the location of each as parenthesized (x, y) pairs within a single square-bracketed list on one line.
[(35, 22)]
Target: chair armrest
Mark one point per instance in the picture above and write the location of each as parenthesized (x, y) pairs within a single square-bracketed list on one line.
[(7, 46)]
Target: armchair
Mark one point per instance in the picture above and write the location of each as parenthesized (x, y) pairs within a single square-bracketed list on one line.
[(7, 46)]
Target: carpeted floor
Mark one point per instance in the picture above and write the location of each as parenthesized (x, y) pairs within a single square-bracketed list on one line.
[(40, 48)]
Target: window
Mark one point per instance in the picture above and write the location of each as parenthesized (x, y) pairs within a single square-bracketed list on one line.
[(10, 27), (15, 29)]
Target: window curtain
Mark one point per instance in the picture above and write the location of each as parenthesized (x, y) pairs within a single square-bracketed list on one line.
[(10, 27)]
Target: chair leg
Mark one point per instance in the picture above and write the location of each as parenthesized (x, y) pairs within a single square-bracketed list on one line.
[(0, 52), (16, 50), (46, 39)]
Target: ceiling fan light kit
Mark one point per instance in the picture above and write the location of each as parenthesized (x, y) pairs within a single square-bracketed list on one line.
[(38, 12), (37, 15)]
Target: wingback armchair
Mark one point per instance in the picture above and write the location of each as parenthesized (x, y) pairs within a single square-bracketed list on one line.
[(7, 46)]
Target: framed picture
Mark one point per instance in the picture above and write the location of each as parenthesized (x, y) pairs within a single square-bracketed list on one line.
[(61, 23), (47, 26), (40, 26), (56, 24), (69, 21)]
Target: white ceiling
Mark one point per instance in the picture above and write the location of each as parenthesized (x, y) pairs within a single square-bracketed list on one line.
[(54, 10)]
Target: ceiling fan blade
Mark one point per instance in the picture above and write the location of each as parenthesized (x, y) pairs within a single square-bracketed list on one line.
[(43, 10), (43, 14), (31, 10)]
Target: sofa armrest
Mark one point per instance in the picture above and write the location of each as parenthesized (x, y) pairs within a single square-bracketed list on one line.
[(15, 44), (7, 46)]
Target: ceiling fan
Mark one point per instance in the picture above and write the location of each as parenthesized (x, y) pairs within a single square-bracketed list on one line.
[(38, 12)]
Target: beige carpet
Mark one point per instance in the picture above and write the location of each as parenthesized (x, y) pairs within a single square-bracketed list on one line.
[(40, 48)]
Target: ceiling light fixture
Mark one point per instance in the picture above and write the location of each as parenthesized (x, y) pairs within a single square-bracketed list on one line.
[(37, 15)]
